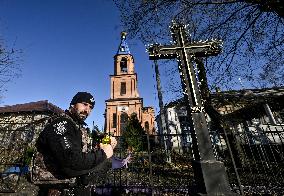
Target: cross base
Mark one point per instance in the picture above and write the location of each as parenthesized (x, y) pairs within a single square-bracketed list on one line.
[(211, 179)]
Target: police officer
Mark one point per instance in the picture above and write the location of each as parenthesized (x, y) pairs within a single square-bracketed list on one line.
[(64, 143)]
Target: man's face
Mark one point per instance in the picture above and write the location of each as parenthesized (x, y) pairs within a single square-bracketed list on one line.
[(82, 110)]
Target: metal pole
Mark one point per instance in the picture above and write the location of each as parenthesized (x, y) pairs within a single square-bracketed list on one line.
[(162, 110)]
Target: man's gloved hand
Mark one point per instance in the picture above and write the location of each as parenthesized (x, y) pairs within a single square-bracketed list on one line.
[(113, 142), (107, 148)]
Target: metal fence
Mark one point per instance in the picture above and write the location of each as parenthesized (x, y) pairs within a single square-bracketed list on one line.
[(252, 152), (153, 170)]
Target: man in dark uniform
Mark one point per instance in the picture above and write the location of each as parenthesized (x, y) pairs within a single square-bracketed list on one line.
[(64, 147)]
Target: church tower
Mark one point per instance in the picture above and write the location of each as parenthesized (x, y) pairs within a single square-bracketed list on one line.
[(124, 97)]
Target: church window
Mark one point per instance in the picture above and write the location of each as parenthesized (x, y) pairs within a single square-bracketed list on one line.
[(146, 126), (123, 88), (114, 120), (123, 65)]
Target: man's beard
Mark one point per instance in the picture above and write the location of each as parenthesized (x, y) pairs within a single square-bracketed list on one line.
[(82, 116)]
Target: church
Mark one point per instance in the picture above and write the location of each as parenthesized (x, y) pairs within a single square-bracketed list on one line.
[(124, 97)]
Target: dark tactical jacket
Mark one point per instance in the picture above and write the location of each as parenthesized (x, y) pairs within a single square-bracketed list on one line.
[(62, 146)]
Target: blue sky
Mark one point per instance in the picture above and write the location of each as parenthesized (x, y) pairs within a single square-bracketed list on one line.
[(68, 46)]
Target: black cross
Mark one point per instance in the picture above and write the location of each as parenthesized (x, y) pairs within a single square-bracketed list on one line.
[(186, 51)]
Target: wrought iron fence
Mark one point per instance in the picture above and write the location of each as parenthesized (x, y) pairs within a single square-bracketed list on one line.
[(153, 169), (252, 152)]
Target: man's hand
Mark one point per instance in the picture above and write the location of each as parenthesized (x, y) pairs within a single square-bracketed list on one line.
[(113, 142), (107, 148)]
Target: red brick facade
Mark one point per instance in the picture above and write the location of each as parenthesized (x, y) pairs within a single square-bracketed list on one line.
[(124, 98)]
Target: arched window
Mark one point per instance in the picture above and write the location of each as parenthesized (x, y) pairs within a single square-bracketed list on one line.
[(146, 126), (123, 64), (123, 121)]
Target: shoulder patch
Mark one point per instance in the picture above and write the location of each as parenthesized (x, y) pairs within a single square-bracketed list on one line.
[(60, 127)]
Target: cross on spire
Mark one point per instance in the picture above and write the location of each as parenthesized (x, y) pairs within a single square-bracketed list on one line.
[(123, 46)]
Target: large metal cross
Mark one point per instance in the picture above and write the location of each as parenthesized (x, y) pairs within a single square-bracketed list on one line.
[(185, 52), (209, 173)]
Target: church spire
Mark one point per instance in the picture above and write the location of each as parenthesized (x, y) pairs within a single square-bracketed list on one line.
[(123, 47)]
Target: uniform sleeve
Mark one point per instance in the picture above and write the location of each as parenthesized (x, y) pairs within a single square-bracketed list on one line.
[(65, 144)]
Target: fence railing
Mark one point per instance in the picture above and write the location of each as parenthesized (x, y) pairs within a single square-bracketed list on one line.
[(258, 153), (256, 150)]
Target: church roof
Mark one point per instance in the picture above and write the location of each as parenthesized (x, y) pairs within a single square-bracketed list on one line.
[(248, 96), (39, 106), (123, 47), (250, 99)]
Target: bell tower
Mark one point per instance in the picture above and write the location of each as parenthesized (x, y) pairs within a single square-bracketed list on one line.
[(124, 80), (124, 99)]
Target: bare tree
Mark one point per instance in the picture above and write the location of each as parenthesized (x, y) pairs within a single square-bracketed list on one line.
[(252, 32), (9, 67)]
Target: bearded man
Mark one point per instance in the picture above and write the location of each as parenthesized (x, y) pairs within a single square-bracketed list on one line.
[(64, 148)]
